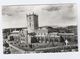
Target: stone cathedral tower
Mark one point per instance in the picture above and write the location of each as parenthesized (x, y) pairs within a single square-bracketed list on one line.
[(32, 25), (32, 22)]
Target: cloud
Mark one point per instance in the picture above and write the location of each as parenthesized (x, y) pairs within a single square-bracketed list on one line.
[(59, 14), (57, 7), (67, 12), (12, 10), (52, 8)]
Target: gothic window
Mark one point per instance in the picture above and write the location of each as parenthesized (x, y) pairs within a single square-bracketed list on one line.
[(30, 21), (29, 17), (30, 24)]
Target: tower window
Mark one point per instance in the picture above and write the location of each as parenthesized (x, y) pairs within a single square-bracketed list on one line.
[(29, 17), (30, 23)]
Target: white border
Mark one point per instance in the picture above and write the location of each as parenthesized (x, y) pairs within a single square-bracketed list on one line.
[(61, 55)]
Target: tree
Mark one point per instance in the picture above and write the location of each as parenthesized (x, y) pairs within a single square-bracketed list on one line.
[(62, 39), (7, 51), (5, 44)]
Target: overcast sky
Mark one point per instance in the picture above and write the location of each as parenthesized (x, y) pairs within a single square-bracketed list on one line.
[(51, 15)]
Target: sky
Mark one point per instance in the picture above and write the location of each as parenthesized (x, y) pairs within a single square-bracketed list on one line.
[(14, 16)]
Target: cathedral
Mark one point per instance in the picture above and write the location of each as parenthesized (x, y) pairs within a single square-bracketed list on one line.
[(33, 34), (41, 34)]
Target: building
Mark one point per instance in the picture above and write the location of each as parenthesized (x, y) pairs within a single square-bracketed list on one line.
[(32, 22), (45, 34), (41, 34), (14, 36), (19, 36), (8, 31), (32, 25), (23, 34)]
